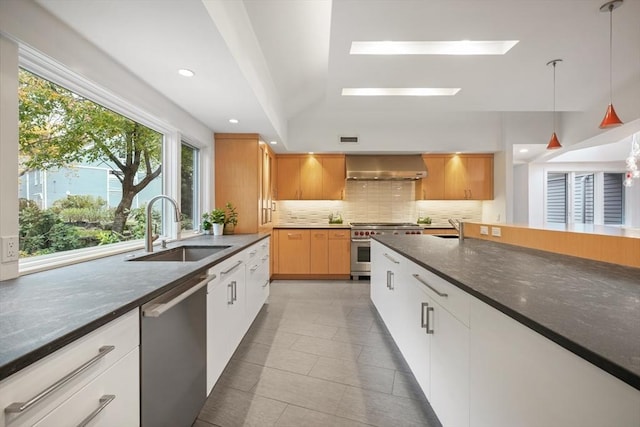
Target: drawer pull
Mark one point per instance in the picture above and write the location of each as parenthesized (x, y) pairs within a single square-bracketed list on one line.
[(254, 268), (264, 258), (424, 324), (395, 261), (294, 236), (232, 268), (104, 401), (253, 252), (421, 280), (266, 283), (18, 407), (428, 324)]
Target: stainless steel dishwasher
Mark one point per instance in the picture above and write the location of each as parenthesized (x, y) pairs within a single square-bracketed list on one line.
[(173, 376)]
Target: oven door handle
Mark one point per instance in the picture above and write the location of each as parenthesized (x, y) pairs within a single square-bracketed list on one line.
[(360, 240)]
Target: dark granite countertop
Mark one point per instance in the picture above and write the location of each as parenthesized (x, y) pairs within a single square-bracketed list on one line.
[(590, 308), (42, 312)]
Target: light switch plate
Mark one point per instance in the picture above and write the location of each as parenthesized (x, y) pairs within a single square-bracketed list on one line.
[(10, 248), (484, 230), (496, 231)]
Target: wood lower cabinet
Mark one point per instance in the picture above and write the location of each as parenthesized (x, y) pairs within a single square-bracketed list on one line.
[(457, 177), (310, 177), (312, 253)]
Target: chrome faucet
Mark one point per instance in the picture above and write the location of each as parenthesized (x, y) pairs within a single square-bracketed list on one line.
[(458, 225), (148, 235)]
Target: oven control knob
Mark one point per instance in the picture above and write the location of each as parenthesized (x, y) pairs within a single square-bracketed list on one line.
[(407, 232), (366, 233), (372, 233)]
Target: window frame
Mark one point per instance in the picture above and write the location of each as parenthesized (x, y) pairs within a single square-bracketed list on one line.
[(55, 72)]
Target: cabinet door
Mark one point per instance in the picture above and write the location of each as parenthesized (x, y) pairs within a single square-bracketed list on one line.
[(480, 177), (432, 187), (455, 175), (293, 251), (449, 368), (333, 178), (288, 180), (310, 178), (339, 252), (414, 341), (319, 256)]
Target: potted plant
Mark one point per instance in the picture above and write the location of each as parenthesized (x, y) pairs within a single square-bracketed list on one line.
[(207, 225), (231, 219), (217, 218)]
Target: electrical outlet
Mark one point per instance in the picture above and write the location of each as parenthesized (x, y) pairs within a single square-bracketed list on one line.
[(496, 231), (484, 230), (9, 249)]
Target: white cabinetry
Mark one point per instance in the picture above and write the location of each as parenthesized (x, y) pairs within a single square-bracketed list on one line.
[(105, 362), (519, 377), (234, 298), (387, 266)]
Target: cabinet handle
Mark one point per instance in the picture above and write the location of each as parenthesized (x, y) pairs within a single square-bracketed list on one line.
[(18, 407), (253, 252), (428, 325), (273, 206), (390, 285), (230, 287), (296, 236), (319, 235), (104, 401), (254, 268), (152, 309), (266, 283), (235, 290), (470, 194), (421, 280), (264, 258), (232, 268), (424, 323), (395, 261)]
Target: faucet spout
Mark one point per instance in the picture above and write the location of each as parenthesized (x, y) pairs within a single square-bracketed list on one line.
[(148, 235), (458, 225)]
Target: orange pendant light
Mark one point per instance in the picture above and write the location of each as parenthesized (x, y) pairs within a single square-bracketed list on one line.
[(611, 119), (554, 143)]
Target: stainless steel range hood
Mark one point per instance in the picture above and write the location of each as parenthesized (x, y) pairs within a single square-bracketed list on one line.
[(391, 167)]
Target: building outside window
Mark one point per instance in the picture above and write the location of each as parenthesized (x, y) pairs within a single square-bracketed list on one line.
[(189, 177)]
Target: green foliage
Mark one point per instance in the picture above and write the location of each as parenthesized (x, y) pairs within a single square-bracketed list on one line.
[(217, 216), (106, 237), (44, 232), (231, 216), (80, 202)]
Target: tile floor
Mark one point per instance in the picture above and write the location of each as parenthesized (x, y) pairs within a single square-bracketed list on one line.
[(317, 355)]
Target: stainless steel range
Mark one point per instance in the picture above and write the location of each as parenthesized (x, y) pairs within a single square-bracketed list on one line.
[(361, 233)]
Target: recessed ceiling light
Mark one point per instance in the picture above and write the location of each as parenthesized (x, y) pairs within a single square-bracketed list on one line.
[(524, 150), (234, 121), (186, 73), (273, 142), (400, 91), (460, 47)]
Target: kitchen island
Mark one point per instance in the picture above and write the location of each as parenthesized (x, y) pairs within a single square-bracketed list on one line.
[(525, 321)]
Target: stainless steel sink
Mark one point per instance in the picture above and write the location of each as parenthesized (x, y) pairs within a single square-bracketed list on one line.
[(181, 254), (446, 236)]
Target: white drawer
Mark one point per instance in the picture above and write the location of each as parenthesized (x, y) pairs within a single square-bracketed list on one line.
[(449, 296), (122, 334), (117, 390), (226, 269)]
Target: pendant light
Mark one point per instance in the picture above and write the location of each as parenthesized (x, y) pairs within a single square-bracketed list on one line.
[(611, 119), (554, 143)]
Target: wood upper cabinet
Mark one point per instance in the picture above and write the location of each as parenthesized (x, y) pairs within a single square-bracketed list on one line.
[(241, 171), (457, 177), (432, 187), (310, 177), (469, 177)]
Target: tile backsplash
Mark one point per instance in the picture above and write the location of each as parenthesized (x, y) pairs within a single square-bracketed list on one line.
[(377, 201)]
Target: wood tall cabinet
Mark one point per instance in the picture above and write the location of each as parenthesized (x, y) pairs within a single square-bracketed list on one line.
[(310, 177), (457, 177), (243, 176)]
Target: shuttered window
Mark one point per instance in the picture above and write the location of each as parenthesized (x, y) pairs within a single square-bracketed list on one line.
[(557, 197), (583, 198), (613, 198)]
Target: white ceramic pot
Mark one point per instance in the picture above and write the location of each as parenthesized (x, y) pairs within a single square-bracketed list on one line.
[(217, 229)]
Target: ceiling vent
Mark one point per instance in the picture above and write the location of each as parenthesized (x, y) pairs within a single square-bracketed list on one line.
[(348, 140)]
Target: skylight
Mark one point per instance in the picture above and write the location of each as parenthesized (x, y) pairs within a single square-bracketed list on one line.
[(460, 47), (400, 91)]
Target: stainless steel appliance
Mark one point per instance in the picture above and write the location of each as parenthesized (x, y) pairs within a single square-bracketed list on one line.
[(361, 233), (173, 356)]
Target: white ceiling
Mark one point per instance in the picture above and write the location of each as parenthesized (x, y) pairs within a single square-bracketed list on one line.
[(278, 66)]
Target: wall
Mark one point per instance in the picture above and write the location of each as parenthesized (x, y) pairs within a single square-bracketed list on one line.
[(377, 201)]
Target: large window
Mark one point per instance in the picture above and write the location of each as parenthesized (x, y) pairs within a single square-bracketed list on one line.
[(585, 198), (85, 172), (189, 173)]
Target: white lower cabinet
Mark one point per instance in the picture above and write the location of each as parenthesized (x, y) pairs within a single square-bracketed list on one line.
[(234, 298), (520, 378), (104, 361), (481, 368), (112, 399)]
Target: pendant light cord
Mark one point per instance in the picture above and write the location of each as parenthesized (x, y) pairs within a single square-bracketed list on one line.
[(554, 96), (610, 53)]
